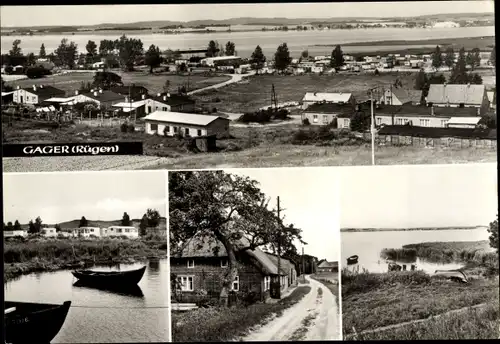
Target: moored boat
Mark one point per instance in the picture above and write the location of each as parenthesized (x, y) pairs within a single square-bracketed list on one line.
[(127, 290), (352, 259), (33, 322), (110, 278)]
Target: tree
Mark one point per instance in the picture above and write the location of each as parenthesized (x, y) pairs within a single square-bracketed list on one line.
[(166, 86), (153, 57), (476, 58), (214, 206), (38, 224), (212, 49), (230, 49), (449, 58), (493, 230), (16, 56), (66, 53), (337, 58), (42, 54), (305, 54), (459, 72), (153, 217), (475, 79), (257, 59), (16, 49), (421, 80), (9, 226), (4, 87), (125, 220), (31, 59), (360, 121), (36, 72), (106, 47), (143, 225), (91, 48), (31, 228), (83, 222), (17, 226), (58, 228), (282, 57), (493, 57), (469, 60), (105, 80), (437, 58), (129, 50)]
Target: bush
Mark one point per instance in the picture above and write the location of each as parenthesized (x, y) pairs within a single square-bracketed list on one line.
[(131, 128), (306, 121), (36, 72), (124, 127)]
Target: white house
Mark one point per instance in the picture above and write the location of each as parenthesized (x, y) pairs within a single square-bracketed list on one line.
[(35, 94), (453, 95), (102, 98), (317, 69), (336, 98), (15, 233), (463, 122), (185, 124), (491, 98), (128, 231), (49, 232), (218, 60), (98, 65), (88, 231), (169, 102)]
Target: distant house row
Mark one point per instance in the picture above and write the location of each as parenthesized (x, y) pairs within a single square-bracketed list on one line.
[(86, 232)]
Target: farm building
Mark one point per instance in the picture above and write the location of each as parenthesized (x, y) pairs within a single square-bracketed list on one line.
[(128, 231), (474, 96), (15, 233), (36, 94), (325, 113), (169, 102), (203, 263), (326, 266), (336, 98), (88, 231), (400, 96), (102, 98), (185, 124)]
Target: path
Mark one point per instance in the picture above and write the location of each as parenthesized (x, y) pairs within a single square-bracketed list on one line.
[(315, 317), (234, 78)]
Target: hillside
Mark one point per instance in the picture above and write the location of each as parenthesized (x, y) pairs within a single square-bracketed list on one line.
[(99, 223)]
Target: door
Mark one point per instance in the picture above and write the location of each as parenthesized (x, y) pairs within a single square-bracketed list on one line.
[(21, 99)]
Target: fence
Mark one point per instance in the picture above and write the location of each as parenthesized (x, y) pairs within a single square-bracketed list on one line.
[(108, 122), (451, 142)]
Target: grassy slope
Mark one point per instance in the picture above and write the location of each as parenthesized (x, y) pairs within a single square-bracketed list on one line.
[(224, 324)]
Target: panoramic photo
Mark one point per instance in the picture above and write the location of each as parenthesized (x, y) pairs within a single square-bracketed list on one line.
[(86, 264), (251, 85), (253, 259), (422, 260)]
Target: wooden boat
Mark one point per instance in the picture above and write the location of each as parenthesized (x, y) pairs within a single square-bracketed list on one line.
[(110, 278), (128, 290), (352, 259), (453, 275), (33, 322)]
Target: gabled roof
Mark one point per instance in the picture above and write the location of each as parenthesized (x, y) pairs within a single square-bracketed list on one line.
[(330, 108), (409, 110), (329, 97), (182, 118), (464, 120), (327, 264), (456, 94), (406, 96), (44, 90), (105, 96), (132, 89), (285, 264), (491, 96)]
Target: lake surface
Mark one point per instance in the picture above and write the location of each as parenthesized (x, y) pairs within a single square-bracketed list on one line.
[(368, 245), (246, 42), (98, 316)]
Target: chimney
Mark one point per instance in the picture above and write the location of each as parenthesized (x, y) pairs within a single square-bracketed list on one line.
[(159, 94), (164, 97), (100, 91), (143, 96), (95, 94), (76, 92)]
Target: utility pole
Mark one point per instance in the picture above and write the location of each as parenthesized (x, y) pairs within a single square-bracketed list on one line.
[(303, 266), (372, 127), (279, 248)]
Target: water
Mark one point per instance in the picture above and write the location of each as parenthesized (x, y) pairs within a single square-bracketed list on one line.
[(368, 245), (129, 321), (246, 42)]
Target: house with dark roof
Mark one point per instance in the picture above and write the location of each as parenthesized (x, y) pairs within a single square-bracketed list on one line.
[(323, 97), (169, 102), (326, 266), (202, 264), (325, 113), (132, 91), (36, 94), (451, 95), (400, 96), (104, 99)]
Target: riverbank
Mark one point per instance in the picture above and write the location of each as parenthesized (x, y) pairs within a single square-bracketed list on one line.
[(25, 257), (219, 324), (406, 229)]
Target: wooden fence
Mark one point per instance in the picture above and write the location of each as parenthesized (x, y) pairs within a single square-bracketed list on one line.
[(452, 142)]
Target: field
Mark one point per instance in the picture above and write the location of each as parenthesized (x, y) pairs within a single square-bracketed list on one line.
[(40, 254), (153, 82), (256, 93), (218, 324), (372, 301)]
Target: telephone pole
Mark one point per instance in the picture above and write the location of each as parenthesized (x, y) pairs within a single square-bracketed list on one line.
[(303, 266), (279, 248)]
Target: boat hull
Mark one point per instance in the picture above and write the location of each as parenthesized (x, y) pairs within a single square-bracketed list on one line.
[(110, 279), (352, 260), (34, 322)]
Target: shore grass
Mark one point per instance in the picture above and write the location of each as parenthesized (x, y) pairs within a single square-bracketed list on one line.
[(218, 324), (34, 255)]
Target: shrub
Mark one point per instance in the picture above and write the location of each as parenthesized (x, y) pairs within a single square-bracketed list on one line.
[(124, 127), (131, 128), (306, 121)]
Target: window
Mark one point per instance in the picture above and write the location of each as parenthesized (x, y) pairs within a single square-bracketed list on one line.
[(127, 230), (267, 283), (92, 230), (399, 121), (406, 120), (199, 132), (444, 122), (325, 118), (186, 283), (346, 122), (190, 263), (379, 120), (236, 284), (461, 105), (424, 122), (175, 129), (187, 131), (315, 118), (165, 108), (223, 263), (167, 128), (154, 126)]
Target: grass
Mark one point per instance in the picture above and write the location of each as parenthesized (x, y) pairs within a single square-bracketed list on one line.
[(218, 324), (250, 96), (30, 255)]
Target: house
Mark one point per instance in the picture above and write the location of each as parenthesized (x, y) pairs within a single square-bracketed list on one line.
[(288, 269), (87, 232), (400, 96), (137, 107), (463, 122), (326, 266), (202, 264), (420, 115), (128, 231), (169, 102), (317, 69), (452, 95), (221, 61), (15, 233), (98, 65), (387, 133), (186, 124), (133, 91), (36, 94), (336, 98), (104, 99), (325, 113), (49, 232)]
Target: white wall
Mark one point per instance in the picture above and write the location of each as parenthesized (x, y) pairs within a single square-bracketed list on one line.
[(344, 123), (127, 231), (218, 126), (27, 97), (435, 122), (10, 234), (154, 105), (49, 232)]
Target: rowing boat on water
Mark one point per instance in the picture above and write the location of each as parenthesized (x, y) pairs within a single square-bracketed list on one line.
[(110, 278)]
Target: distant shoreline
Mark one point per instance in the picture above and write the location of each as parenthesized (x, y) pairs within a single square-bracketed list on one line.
[(407, 229)]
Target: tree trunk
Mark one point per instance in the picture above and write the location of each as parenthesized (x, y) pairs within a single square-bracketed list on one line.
[(232, 270)]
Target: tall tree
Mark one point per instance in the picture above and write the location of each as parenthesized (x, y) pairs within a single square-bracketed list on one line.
[(32, 227), (31, 59), (230, 49), (16, 48), (304, 54), (106, 47), (9, 226), (58, 227), (449, 58), (459, 72), (42, 54), (166, 86), (212, 49), (153, 57), (143, 225), (66, 53), (17, 226), (153, 217), (91, 48), (214, 206), (337, 60), (437, 58), (469, 60), (421, 80), (282, 57), (493, 57), (257, 59), (476, 58), (83, 222), (16, 56), (129, 50), (125, 220), (5, 87), (38, 224), (493, 230), (106, 80)]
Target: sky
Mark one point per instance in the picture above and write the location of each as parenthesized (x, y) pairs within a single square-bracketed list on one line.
[(61, 196), (310, 199), (98, 14), (419, 196)]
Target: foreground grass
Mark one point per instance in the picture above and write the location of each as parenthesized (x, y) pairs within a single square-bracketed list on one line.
[(220, 324), (24, 257)]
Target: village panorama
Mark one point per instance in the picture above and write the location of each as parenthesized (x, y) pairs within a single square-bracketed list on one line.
[(259, 92)]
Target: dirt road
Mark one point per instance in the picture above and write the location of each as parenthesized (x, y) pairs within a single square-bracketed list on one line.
[(315, 317), (234, 78)]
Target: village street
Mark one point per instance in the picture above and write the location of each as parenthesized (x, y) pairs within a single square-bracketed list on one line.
[(315, 317)]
